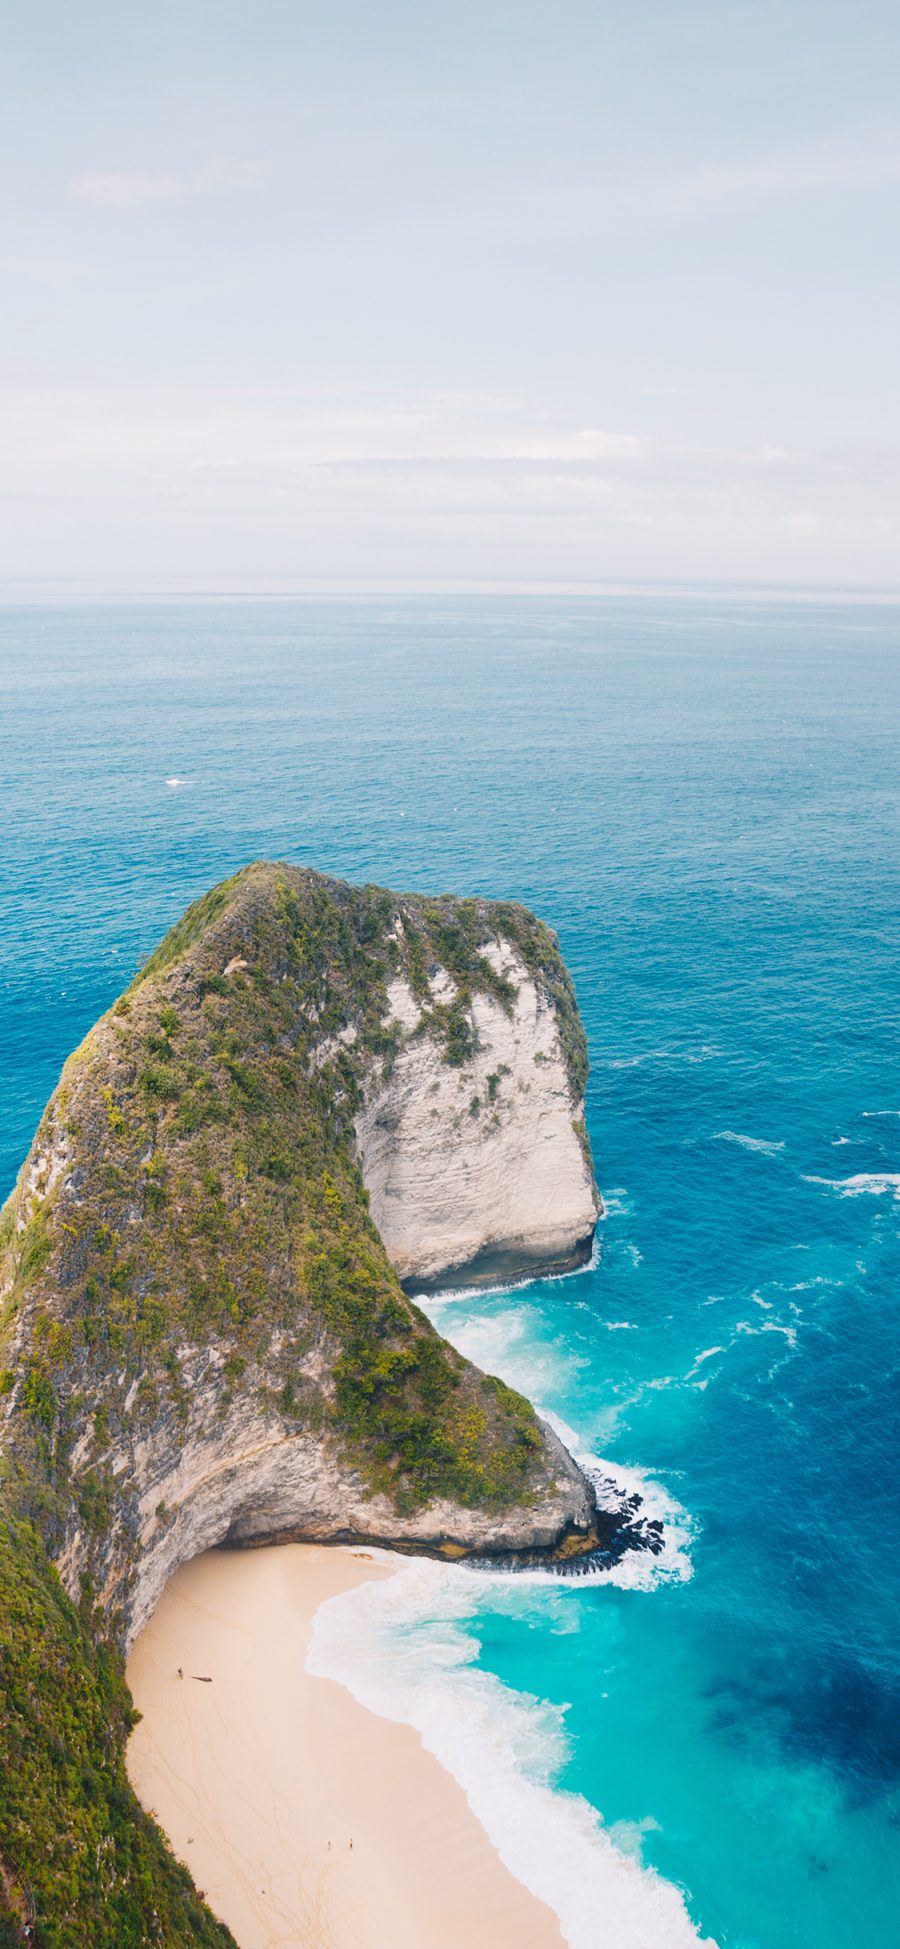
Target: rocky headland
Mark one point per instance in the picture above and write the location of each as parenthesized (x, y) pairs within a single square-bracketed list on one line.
[(313, 1101)]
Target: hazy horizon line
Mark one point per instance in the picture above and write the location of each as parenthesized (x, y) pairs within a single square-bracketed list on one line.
[(33, 590)]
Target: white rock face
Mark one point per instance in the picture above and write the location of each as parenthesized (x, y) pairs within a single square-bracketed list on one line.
[(477, 1172)]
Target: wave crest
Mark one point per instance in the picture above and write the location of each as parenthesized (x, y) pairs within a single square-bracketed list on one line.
[(404, 1647)]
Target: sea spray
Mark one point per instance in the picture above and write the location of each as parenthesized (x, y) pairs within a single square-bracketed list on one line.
[(405, 1648), (622, 1489), (507, 1341)]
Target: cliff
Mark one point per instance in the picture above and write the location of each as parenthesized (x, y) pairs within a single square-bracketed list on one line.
[(309, 1090), (478, 1171)]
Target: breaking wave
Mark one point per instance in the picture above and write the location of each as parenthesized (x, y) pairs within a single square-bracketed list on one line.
[(404, 1647), (875, 1183)]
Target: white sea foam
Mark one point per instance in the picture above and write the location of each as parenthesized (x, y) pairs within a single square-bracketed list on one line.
[(404, 1648), (769, 1147), (637, 1062), (873, 1183), (628, 1835), (707, 1354), (703, 1054), (615, 1484), (458, 1295), (768, 1326), (503, 1342), (616, 1203), (639, 1569)]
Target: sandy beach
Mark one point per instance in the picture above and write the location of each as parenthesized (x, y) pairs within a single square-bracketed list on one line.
[(263, 1777)]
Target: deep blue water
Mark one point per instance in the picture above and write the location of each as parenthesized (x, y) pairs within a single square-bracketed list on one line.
[(702, 797)]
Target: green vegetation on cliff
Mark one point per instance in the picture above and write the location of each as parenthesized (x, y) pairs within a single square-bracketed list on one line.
[(208, 1123), (193, 1185), (80, 1862)]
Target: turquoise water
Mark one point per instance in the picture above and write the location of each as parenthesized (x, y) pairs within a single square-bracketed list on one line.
[(702, 797)]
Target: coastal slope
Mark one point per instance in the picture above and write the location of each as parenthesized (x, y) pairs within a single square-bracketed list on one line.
[(203, 1337)]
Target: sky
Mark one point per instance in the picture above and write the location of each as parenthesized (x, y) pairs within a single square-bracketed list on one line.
[(507, 294)]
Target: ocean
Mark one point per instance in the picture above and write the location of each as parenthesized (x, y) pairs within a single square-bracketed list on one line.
[(701, 794)]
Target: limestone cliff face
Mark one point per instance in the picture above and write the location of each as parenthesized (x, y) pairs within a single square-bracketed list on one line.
[(202, 1336), (479, 1172), (241, 1478)]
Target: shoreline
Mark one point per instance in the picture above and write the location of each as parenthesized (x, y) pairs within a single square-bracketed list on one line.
[(263, 1776)]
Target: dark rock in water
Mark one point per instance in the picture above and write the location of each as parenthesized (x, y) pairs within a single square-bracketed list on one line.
[(619, 1528)]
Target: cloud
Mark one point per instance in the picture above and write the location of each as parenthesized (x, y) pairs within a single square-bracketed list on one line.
[(122, 188), (101, 436), (740, 182), (350, 485), (624, 194)]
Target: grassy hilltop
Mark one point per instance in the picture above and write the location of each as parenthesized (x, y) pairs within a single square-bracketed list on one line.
[(193, 1186)]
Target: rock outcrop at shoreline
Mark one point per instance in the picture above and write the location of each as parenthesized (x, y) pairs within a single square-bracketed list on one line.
[(204, 1337)]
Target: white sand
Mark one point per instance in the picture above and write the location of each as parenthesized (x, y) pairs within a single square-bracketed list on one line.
[(262, 1778)]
